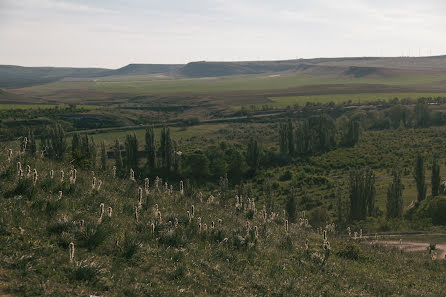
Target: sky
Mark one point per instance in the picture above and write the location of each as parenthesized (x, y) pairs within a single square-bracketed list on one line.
[(114, 33)]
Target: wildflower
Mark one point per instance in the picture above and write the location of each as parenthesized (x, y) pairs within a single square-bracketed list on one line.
[(19, 166), (219, 223), (349, 232), (71, 248), (205, 227), (99, 184), (110, 210), (114, 171), (73, 176), (51, 173), (360, 233), (34, 176), (59, 195), (61, 175), (201, 197), (256, 233), (93, 182), (212, 225), (166, 187), (286, 226), (132, 174), (199, 227), (153, 229), (136, 214), (355, 235), (176, 222), (189, 218), (181, 187), (146, 185), (325, 235), (9, 155), (159, 217), (139, 197), (307, 246), (157, 180), (28, 171), (193, 211)]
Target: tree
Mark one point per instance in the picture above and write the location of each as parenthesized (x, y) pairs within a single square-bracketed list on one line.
[(150, 148), (339, 207), (291, 206), (253, 154), (103, 156), (362, 193), (118, 159), (394, 202), (436, 179), (131, 150), (198, 165), (290, 138), (351, 137), (166, 149), (283, 138), (422, 115), (58, 144), (419, 175)]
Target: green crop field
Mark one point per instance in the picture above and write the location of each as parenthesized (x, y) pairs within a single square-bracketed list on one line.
[(44, 106), (151, 85), (284, 101)]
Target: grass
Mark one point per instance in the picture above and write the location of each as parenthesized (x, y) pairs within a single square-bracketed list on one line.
[(151, 85), (284, 101), (178, 133), (44, 106)]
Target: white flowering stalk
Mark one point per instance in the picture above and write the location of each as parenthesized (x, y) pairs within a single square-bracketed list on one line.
[(155, 210), (101, 212), (211, 199), (325, 235), (189, 217), (110, 211), (157, 180), (28, 171), (286, 226), (93, 183), (247, 227), (193, 211), (355, 236), (153, 229), (360, 233), (51, 173), (34, 176), (181, 187), (219, 223), (212, 225), (201, 197), (9, 155), (166, 187), (349, 232), (71, 249), (25, 143), (205, 227), (146, 186), (139, 197), (19, 167), (114, 171), (62, 174), (73, 176), (307, 246), (199, 227), (59, 195), (136, 214), (199, 220), (132, 174), (256, 232), (99, 184), (159, 218)]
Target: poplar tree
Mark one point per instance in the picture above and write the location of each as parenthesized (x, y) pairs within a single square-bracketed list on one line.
[(394, 202), (435, 179), (419, 176)]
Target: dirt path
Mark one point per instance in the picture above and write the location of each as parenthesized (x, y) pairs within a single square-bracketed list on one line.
[(410, 245)]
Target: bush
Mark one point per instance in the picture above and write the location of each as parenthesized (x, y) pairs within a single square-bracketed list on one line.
[(93, 236), (351, 252)]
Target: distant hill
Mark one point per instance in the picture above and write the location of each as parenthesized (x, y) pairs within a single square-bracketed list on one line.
[(144, 69), (17, 76)]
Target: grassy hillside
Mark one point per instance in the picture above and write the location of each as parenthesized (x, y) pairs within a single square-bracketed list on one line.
[(119, 255)]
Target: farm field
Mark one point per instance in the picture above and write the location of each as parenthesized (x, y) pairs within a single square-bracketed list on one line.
[(340, 98)]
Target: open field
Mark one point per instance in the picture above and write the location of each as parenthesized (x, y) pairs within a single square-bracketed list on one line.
[(354, 98), (44, 106)]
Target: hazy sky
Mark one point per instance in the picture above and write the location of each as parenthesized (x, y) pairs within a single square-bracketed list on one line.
[(113, 33)]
